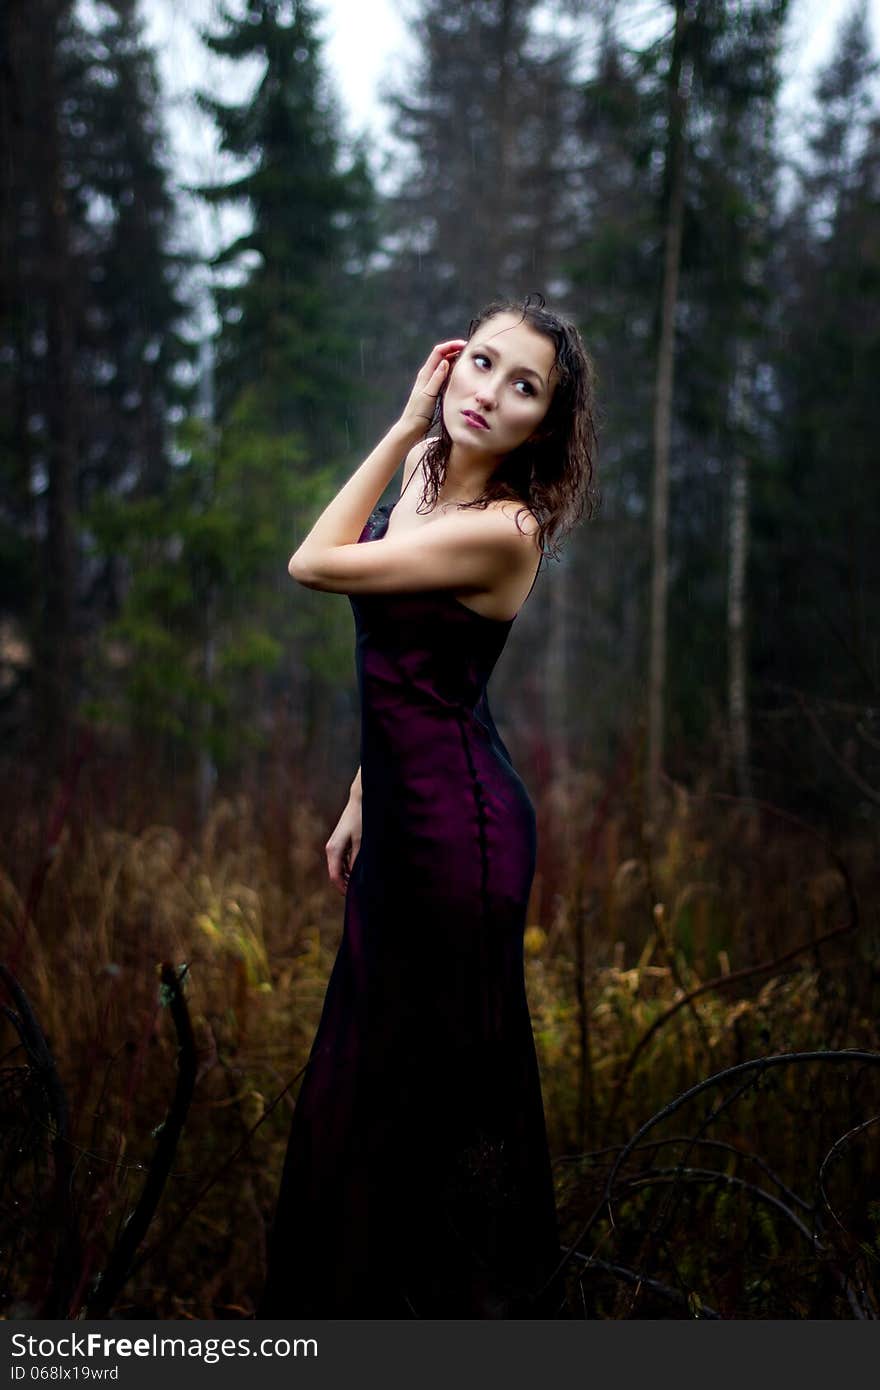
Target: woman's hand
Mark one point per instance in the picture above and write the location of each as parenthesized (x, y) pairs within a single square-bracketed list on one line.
[(342, 847), (419, 410)]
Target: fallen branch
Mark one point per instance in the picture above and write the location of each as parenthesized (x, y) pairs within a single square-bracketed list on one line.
[(832, 1153), (742, 1069), (43, 1068), (632, 1276), (119, 1264)]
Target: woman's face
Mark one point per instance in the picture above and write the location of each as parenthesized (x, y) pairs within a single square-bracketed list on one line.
[(501, 386)]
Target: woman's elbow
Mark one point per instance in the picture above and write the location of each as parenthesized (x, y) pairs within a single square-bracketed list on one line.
[(299, 570), (315, 571)]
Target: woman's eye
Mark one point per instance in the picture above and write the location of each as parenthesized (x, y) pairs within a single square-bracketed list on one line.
[(480, 358)]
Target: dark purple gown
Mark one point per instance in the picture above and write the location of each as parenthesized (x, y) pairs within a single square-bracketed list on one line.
[(417, 1181)]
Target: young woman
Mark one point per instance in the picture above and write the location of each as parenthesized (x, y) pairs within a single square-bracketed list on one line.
[(417, 1181)]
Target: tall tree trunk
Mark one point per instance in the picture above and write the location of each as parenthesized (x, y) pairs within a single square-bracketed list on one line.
[(54, 675), (679, 81), (206, 770), (557, 704), (16, 251), (736, 623), (738, 545)]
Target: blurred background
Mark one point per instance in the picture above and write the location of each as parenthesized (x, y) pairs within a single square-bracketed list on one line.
[(229, 234)]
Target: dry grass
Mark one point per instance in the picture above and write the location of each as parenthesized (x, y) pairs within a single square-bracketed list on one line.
[(622, 935)]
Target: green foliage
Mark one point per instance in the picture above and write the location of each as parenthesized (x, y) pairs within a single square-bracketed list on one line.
[(204, 614)]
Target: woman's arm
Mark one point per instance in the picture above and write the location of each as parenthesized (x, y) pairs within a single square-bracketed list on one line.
[(356, 786), (342, 521), (474, 551)]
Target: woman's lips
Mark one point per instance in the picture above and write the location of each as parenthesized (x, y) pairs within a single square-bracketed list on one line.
[(474, 419)]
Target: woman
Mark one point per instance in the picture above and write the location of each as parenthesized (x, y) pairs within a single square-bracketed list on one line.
[(417, 1181)]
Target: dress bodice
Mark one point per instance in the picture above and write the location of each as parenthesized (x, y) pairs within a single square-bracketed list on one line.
[(442, 649)]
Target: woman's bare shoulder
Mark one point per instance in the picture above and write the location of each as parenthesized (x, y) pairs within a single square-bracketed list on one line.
[(520, 515)]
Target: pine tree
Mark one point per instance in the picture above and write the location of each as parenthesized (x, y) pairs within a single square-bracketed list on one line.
[(201, 623), (818, 558), (222, 630), (287, 327), (611, 269), (131, 349), (44, 288), (90, 344), (724, 343), (480, 206), (729, 70), (133, 346), (289, 358)]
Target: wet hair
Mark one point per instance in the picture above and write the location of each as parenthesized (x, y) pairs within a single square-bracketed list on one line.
[(552, 474)]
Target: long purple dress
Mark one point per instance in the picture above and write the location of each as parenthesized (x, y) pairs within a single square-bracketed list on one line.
[(417, 1181)]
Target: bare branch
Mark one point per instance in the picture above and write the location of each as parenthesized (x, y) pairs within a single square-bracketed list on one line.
[(632, 1276), (42, 1065), (757, 1066), (119, 1264)]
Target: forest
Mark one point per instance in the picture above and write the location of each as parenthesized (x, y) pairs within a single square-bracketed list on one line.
[(691, 693)]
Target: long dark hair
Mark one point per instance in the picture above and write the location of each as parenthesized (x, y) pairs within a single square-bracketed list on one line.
[(553, 474)]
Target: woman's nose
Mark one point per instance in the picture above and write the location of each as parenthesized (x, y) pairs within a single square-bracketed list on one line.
[(484, 396)]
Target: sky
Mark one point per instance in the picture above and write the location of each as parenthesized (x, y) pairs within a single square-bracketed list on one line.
[(366, 39), (368, 43)]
